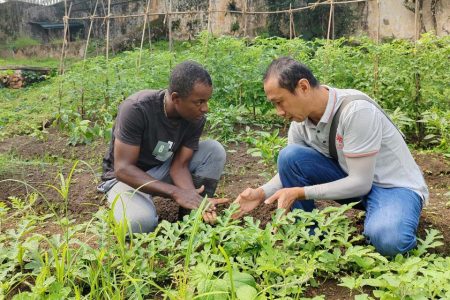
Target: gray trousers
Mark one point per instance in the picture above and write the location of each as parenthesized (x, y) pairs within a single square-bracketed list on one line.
[(138, 207)]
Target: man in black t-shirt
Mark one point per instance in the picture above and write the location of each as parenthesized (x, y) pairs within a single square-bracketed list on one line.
[(155, 149)]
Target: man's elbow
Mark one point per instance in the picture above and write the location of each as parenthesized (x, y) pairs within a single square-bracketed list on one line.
[(363, 188), (120, 172)]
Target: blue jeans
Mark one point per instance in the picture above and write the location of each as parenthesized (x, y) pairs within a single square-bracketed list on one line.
[(392, 214)]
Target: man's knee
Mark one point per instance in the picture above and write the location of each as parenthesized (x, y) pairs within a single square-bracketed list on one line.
[(143, 224), (390, 239), (215, 149), (138, 211), (291, 154), (209, 160)]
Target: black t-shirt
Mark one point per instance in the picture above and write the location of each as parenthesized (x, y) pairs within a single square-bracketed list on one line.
[(141, 121)]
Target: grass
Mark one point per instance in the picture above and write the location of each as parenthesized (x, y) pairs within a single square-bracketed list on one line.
[(20, 42), (21, 115), (43, 62)]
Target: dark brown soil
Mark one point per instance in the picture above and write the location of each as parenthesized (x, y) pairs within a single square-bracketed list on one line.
[(42, 161)]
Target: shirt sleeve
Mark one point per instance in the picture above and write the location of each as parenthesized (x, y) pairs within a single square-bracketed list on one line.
[(192, 138), (129, 125), (358, 182), (294, 135), (361, 129), (272, 186)]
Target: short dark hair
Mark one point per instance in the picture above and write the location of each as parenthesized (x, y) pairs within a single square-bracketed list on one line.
[(185, 75), (289, 72)]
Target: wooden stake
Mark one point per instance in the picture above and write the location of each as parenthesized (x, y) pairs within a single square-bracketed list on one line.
[(65, 40), (170, 26), (149, 35), (61, 68), (332, 25), (209, 28), (416, 21), (90, 30), (417, 97), (377, 57), (245, 18), (291, 22), (143, 33), (107, 30), (82, 109), (329, 20)]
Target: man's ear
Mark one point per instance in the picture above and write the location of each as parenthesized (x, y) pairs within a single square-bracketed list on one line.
[(303, 85), (175, 97)]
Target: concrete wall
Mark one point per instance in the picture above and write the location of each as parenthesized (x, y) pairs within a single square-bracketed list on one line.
[(12, 20), (397, 18), (184, 26)]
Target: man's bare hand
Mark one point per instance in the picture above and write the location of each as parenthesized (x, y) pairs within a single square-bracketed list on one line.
[(189, 199), (286, 197), (210, 215), (248, 200)]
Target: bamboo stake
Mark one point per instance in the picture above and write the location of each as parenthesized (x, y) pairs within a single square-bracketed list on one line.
[(107, 29), (377, 57), (245, 18), (209, 27), (291, 22), (65, 39), (143, 33), (65, 20), (149, 35), (84, 61), (299, 25), (417, 97), (329, 20), (416, 21), (90, 30), (332, 24), (170, 26), (61, 62)]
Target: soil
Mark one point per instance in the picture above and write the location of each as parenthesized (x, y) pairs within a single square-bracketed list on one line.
[(42, 161)]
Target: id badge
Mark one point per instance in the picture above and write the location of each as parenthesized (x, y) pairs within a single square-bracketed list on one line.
[(162, 151)]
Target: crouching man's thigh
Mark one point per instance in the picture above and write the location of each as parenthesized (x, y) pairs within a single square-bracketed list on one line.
[(138, 208)]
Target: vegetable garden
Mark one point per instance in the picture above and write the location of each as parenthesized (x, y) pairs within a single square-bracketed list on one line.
[(59, 241)]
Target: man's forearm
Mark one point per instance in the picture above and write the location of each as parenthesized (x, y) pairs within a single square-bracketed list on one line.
[(272, 186), (182, 178), (138, 179)]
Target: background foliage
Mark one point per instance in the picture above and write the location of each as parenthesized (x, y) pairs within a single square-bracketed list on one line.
[(410, 82)]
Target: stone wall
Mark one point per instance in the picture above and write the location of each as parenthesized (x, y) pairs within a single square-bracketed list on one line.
[(12, 20), (184, 26), (397, 19)]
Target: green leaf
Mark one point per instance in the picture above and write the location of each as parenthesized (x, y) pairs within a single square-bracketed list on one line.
[(240, 278), (246, 292), (348, 282)]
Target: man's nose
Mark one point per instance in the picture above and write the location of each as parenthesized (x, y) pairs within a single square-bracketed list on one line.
[(280, 112), (204, 108)]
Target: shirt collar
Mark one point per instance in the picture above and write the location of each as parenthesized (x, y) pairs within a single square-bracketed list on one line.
[(329, 109), (331, 105)]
